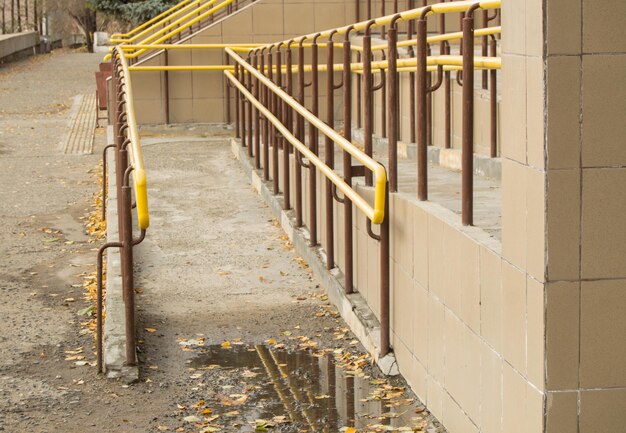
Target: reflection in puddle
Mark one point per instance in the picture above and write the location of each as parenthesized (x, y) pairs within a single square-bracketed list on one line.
[(309, 391)]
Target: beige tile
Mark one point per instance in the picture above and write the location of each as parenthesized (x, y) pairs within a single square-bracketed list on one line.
[(490, 391), (603, 26), (402, 232), (435, 398), (535, 340), (514, 316), (462, 366), (603, 225), (563, 32), (461, 276), (514, 212), (454, 417), (563, 225), (420, 324), (513, 401), (149, 111), (420, 245), (534, 27), (418, 379), (534, 419), (603, 334), (535, 109), (514, 25), (436, 265), (603, 108), (436, 322), (535, 223), (562, 412), (562, 335), (180, 85), (602, 411), (563, 112), (491, 297), (209, 110), (181, 110), (403, 306), (513, 119), (267, 19)]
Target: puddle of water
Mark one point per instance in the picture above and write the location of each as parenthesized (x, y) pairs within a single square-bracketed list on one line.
[(310, 391)]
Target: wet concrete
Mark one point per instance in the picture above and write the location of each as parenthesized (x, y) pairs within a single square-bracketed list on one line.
[(299, 391)]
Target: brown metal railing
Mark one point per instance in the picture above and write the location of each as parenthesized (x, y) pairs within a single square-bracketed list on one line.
[(279, 120), (128, 160)]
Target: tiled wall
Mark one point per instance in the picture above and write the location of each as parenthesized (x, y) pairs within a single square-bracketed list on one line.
[(200, 99)]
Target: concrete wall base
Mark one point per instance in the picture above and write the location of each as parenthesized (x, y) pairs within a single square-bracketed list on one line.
[(352, 307)]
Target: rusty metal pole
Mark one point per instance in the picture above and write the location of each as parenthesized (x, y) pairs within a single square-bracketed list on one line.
[(383, 30), (369, 9), (347, 165), (357, 10), (385, 332), (271, 131), (485, 48), (429, 104), (227, 92), (368, 100), (359, 85), (249, 111), (421, 101), (129, 285), (329, 151), (392, 98), (313, 142), (237, 104), (447, 103), (493, 103), (166, 89), (287, 113), (257, 116), (277, 112), (467, 161), (383, 102), (265, 125), (299, 135)]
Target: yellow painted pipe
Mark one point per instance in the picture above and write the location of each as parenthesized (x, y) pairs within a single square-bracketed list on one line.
[(441, 8), (134, 147), (151, 21), (376, 213)]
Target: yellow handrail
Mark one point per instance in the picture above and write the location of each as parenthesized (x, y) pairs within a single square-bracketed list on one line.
[(151, 21), (450, 63), (375, 213), (456, 6), (169, 18), (186, 25), (134, 148)]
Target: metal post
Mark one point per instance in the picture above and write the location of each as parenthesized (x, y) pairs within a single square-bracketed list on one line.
[(227, 91), (467, 162), (278, 107), (299, 135), (429, 105), (368, 103), (347, 164), (270, 135), (249, 120), (329, 151), (313, 143), (288, 122), (447, 102), (359, 112), (485, 48), (273, 131), (385, 340), (392, 98), (128, 277), (493, 95), (257, 117), (421, 100), (237, 104), (166, 89)]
